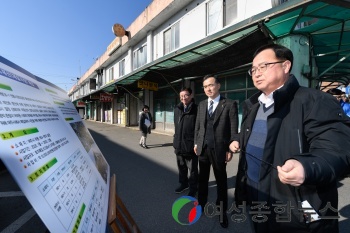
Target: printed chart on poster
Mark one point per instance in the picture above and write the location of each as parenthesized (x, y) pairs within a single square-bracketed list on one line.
[(51, 154)]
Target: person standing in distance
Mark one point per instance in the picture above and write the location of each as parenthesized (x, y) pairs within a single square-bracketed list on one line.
[(341, 97), (294, 146), (185, 114), (145, 123), (215, 133)]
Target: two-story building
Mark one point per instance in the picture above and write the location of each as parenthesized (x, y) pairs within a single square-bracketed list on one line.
[(174, 43)]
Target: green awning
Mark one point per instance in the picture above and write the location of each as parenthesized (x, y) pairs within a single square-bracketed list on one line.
[(327, 25), (324, 22), (202, 57)]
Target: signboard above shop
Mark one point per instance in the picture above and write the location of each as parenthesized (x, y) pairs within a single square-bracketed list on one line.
[(106, 97), (80, 103), (147, 85)]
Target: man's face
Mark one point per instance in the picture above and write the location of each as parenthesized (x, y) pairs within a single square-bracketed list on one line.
[(268, 77), (211, 88), (185, 97), (343, 97)]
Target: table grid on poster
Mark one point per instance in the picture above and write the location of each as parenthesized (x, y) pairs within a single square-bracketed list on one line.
[(64, 189)]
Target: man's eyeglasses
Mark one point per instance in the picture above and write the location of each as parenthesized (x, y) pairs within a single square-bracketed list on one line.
[(185, 96), (262, 67)]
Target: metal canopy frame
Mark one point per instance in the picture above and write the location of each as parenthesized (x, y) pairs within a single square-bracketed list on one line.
[(325, 23), (199, 51)]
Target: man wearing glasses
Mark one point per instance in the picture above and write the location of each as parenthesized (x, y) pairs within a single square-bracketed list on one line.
[(294, 145)]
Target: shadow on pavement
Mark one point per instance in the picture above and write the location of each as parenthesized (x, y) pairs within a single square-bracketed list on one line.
[(146, 180)]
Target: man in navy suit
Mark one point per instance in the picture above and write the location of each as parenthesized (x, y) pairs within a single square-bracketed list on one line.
[(216, 131)]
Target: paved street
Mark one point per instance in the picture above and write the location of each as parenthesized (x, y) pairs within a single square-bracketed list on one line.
[(146, 179)]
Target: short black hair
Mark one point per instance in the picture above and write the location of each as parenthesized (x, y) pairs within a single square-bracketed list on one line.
[(188, 89), (211, 76), (280, 51), (334, 91), (145, 106)]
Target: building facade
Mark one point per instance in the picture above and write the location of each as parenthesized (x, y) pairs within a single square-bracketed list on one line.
[(174, 43)]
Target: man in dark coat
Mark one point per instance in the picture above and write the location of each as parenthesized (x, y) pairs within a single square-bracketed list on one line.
[(216, 129), (294, 146), (185, 114)]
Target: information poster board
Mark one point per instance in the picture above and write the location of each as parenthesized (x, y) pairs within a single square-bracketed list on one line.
[(51, 154)]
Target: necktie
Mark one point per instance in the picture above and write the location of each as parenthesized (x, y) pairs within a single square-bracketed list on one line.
[(210, 110), (185, 108)]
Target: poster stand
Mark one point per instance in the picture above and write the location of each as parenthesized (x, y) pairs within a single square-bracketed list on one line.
[(119, 218), (50, 153)]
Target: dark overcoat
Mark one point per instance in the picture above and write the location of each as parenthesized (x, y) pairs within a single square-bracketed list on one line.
[(143, 128), (307, 125), (184, 129)]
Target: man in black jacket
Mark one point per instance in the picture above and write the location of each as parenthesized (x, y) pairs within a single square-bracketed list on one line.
[(294, 146), (187, 161)]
